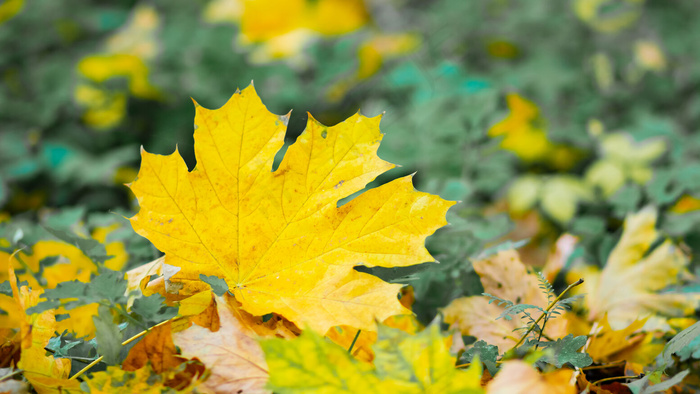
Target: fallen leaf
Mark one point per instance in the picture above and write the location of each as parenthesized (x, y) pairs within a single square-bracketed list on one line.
[(518, 377), (117, 381), (628, 287), (504, 276), (405, 363), (278, 238), (156, 347), (606, 343), (45, 373), (231, 353)]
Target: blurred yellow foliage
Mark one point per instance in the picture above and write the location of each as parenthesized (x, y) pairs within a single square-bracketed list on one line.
[(523, 132), (126, 55), (649, 55), (595, 13), (685, 204), (558, 195), (623, 159), (9, 9), (372, 54), (263, 20)]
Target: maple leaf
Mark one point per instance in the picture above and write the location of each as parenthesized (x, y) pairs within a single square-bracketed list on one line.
[(627, 287), (45, 373), (607, 344), (505, 276), (404, 363), (278, 238), (117, 381)]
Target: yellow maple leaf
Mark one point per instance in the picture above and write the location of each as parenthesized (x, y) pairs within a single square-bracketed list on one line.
[(405, 363), (502, 275), (45, 373), (605, 345), (115, 380), (627, 287), (278, 238)]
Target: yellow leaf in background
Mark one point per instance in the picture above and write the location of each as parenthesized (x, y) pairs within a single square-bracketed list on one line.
[(603, 71), (523, 132), (263, 20), (628, 286), (593, 12), (685, 204), (10, 8), (115, 249), (650, 56), (558, 196), (518, 377), (100, 68), (220, 11), (278, 238), (374, 51), (504, 276), (502, 49), (71, 265), (623, 159), (605, 345), (371, 55), (138, 35)]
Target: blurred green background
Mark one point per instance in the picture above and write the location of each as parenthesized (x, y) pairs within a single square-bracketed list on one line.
[(542, 117)]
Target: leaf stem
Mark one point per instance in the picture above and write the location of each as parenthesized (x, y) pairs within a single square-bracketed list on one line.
[(603, 366), (11, 374), (352, 345), (615, 378), (128, 341), (549, 307)]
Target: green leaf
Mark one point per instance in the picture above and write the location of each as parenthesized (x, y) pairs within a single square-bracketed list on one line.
[(92, 248), (152, 310), (109, 286), (642, 385), (566, 351), (681, 344), (487, 354), (218, 285), (108, 335)]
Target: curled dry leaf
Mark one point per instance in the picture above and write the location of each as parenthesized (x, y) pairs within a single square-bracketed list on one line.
[(628, 287), (504, 276), (278, 238)]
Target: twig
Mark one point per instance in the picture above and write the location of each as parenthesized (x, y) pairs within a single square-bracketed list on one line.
[(352, 345), (549, 307), (11, 374), (615, 378), (128, 341)]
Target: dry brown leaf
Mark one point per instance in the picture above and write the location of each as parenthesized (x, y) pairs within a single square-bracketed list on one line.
[(504, 276), (231, 353), (519, 377), (157, 347)]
